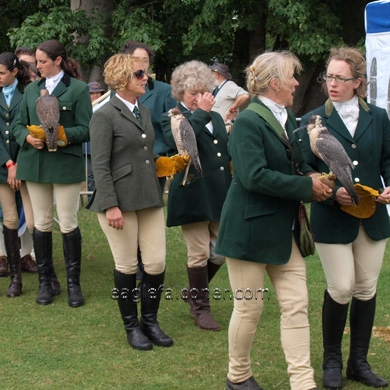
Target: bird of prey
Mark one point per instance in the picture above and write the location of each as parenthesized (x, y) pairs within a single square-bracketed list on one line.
[(185, 140), (48, 112), (329, 149)]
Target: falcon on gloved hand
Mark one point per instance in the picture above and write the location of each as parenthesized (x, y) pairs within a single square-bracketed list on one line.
[(329, 149), (185, 140)]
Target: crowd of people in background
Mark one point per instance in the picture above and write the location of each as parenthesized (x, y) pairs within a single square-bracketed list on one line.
[(239, 206)]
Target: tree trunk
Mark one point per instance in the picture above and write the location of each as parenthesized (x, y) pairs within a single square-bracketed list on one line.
[(105, 7)]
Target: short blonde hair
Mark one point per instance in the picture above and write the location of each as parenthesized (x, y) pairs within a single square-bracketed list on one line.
[(270, 65), (357, 63), (191, 75), (118, 71)]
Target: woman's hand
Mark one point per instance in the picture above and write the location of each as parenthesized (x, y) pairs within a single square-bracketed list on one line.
[(343, 198), (37, 143), (114, 218), (384, 197), (320, 191), (11, 180), (206, 101)]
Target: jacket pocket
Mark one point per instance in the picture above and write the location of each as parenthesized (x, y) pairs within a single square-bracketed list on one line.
[(121, 172), (265, 207), (65, 105)]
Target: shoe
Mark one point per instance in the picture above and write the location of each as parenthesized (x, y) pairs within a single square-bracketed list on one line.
[(28, 264), (3, 266), (249, 384)]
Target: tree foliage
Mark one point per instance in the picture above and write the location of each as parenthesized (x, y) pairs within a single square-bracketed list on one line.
[(229, 31)]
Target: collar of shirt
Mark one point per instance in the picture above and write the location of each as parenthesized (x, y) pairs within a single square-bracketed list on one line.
[(279, 111), (9, 91), (127, 103), (349, 113), (51, 82)]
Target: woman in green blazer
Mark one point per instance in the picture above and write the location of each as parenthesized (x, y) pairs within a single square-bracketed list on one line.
[(259, 221), (14, 76), (351, 249), (196, 206), (55, 175)]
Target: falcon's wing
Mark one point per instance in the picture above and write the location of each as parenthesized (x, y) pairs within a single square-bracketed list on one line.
[(336, 158)]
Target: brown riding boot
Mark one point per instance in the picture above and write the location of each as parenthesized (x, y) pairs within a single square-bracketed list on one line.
[(199, 294), (28, 264)]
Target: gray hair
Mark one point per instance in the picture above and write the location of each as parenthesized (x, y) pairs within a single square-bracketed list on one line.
[(191, 75)]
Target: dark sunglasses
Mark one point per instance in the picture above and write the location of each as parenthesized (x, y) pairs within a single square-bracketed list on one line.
[(139, 74)]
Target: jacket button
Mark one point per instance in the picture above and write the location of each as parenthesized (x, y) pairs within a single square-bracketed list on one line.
[(219, 154), (353, 146), (147, 162), (357, 179), (215, 141), (355, 163), (63, 108), (143, 135), (222, 168)]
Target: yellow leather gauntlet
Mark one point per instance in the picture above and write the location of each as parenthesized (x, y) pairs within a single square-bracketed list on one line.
[(169, 166), (38, 132), (62, 140), (367, 202)]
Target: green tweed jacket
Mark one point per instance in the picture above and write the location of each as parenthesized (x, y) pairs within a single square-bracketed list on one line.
[(262, 202), (66, 165)]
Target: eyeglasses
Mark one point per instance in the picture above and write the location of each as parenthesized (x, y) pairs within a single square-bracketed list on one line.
[(338, 79), (139, 74)]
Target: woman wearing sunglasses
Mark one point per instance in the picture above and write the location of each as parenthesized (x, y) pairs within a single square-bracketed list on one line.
[(128, 199), (55, 174), (351, 248)]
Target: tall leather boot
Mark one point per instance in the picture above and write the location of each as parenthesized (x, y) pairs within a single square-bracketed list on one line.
[(361, 322), (127, 302), (72, 253), (334, 317), (11, 242), (151, 287), (43, 247), (212, 269), (199, 294)]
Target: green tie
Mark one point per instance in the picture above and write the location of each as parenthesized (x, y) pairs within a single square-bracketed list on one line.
[(137, 114)]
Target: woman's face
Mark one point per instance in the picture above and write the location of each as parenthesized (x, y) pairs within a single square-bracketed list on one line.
[(46, 66), (6, 76), (285, 96), (341, 91), (136, 86), (190, 98)]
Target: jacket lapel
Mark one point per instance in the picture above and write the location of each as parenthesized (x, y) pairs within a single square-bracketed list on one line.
[(125, 111)]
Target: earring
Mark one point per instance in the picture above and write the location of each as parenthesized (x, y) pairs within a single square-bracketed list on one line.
[(277, 90)]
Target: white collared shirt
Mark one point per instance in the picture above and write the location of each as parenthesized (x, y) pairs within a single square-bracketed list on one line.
[(349, 113), (51, 82)]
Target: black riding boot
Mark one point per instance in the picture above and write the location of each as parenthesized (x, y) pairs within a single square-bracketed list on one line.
[(128, 295), (11, 242), (43, 248), (72, 253), (151, 288), (334, 317), (361, 322)]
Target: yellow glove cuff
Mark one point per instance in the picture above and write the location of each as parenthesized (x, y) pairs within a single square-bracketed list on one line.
[(169, 166), (367, 202), (62, 140), (37, 132)]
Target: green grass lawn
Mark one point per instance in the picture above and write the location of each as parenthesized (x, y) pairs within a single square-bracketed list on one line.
[(58, 347)]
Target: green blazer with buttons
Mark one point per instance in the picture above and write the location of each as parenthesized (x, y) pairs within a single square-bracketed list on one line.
[(369, 150), (9, 148), (201, 199), (66, 165), (261, 206)]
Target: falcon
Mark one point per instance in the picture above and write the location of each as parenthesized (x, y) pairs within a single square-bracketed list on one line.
[(329, 149), (185, 140), (48, 112)]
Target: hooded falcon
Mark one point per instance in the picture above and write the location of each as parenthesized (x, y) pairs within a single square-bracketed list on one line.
[(48, 112), (328, 148), (185, 140)]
